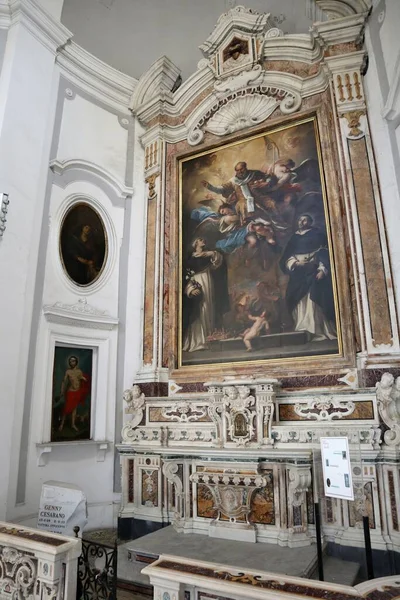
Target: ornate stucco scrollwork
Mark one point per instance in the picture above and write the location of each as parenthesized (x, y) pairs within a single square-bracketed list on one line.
[(353, 119), (184, 412), (19, 570), (151, 182), (324, 409), (388, 396)]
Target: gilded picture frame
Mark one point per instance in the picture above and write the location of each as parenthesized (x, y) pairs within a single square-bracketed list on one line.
[(246, 262)]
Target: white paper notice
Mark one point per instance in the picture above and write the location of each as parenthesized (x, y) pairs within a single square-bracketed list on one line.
[(62, 506), (336, 468)]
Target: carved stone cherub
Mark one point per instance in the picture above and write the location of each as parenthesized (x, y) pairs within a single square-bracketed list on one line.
[(134, 399), (388, 396)]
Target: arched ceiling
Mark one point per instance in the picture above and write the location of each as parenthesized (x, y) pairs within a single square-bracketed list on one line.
[(131, 34)]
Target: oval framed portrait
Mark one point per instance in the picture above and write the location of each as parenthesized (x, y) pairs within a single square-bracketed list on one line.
[(83, 244)]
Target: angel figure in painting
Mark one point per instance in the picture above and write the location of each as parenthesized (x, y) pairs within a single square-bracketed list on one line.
[(75, 388), (205, 296), (259, 323)]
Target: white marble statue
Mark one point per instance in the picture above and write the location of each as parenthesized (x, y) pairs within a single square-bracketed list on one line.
[(388, 396)]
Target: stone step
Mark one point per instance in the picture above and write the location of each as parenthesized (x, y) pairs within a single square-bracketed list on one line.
[(339, 571)]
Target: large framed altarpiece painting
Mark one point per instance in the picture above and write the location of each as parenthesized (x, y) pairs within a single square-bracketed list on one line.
[(257, 271)]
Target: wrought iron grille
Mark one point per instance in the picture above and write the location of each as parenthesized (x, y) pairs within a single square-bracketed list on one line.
[(97, 572)]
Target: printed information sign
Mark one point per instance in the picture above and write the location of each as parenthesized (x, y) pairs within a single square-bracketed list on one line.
[(336, 468)]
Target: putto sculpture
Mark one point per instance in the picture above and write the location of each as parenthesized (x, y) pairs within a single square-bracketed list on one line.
[(388, 396)]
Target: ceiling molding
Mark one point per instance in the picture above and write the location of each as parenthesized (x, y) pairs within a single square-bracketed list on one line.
[(43, 26), (5, 15), (96, 77), (294, 47)]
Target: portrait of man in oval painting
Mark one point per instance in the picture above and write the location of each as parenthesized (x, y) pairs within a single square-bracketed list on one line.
[(83, 244)]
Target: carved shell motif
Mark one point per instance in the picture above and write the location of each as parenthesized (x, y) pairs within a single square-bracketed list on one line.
[(241, 113)]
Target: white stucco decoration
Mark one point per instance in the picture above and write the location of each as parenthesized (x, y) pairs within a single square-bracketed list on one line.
[(135, 401), (242, 109), (237, 82), (79, 314), (241, 113)]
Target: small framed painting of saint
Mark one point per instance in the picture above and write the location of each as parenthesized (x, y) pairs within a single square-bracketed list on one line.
[(71, 394), (83, 244)]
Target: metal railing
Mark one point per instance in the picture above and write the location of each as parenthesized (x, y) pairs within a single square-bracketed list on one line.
[(97, 571)]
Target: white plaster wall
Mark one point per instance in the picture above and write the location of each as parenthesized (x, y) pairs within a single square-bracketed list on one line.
[(92, 133), (389, 35), (25, 134), (3, 41), (383, 44), (76, 126), (87, 132)]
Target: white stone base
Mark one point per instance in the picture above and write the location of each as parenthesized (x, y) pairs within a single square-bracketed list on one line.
[(241, 532)]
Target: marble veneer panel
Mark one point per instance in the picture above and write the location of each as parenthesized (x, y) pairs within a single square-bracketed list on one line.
[(149, 284), (372, 252), (363, 410)]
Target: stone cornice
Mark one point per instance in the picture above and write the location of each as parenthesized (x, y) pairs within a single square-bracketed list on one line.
[(342, 62), (96, 77), (335, 9), (47, 30), (238, 19), (80, 314), (301, 47), (172, 133), (176, 104), (340, 31), (159, 79)]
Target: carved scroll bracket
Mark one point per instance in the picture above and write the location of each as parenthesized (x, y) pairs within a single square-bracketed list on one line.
[(171, 472), (299, 484)]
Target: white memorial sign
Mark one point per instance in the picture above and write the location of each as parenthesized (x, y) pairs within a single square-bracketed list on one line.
[(336, 468), (62, 507)]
